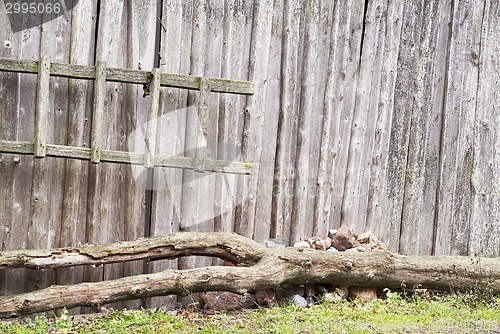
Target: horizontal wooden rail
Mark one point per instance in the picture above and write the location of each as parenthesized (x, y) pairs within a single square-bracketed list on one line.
[(128, 76), (160, 160)]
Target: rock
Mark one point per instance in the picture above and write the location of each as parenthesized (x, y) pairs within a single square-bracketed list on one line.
[(321, 289), (302, 244), (274, 243), (381, 247), (331, 297), (266, 297), (286, 291), (328, 242), (168, 307), (310, 291), (362, 293), (298, 301), (342, 292), (318, 244), (343, 239), (222, 300), (378, 244), (364, 238), (360, 248), (331, 233)]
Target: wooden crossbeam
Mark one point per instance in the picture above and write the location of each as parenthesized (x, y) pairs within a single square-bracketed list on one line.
[(152, 81), (202, 130), (42, 108), (160, 160), (154, 86), (98, 114), (218, 85)]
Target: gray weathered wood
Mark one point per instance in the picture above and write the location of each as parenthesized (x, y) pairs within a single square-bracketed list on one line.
[(421, 179), (98, 112), (166, 202), (459, 113), (200, 155), (401, 137), (379, 200), (271, 268), (255, 116), (114, 74), (152, 119), (160, 160), (42, 107), (303, 165), (484, 233), (283, 173), (80, 39)]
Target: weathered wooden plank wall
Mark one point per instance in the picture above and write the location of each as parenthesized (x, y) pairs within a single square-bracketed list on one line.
[(376, 115)]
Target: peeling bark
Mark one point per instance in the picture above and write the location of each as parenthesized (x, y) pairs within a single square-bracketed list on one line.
[(259, 268)]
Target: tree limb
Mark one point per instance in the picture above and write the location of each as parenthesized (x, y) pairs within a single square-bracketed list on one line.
[(230, 247), (272, 268)]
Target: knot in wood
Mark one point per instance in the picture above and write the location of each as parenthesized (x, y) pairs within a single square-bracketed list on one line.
[(348, 265), (307, 263)]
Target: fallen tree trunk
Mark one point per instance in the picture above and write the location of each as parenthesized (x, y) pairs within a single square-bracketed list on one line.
[(271, 268), (229, 247)]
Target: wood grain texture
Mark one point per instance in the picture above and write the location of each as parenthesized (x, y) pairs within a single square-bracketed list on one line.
[(379, 193), (286, 137), (96, 135), (260, 269), (379, 118), (484, 232), (421, 180), (219, 85), (457, 144), (42, 108)]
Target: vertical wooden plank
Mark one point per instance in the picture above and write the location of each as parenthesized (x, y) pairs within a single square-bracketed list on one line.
[(193, 187), (35, 188), (72, 230), (14, 177), (105, 182), (202, 125), (348, 19), (302, 195), (126, 39), (379, 202), (42, 107), (263, 204), (48, 180), (166, 215), (358, 172), (98, 114), (283, 174), (142, 50), (455, 187), (237, 23), (325, 189), (320, 227), (419, 210), (151, 126), (485, 221), (256, 113), (397, 151)]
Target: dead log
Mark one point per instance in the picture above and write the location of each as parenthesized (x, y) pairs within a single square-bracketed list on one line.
[(269, 268), (229, 247)]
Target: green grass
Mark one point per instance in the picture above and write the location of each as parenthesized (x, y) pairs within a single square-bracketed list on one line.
[(395, 314)]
